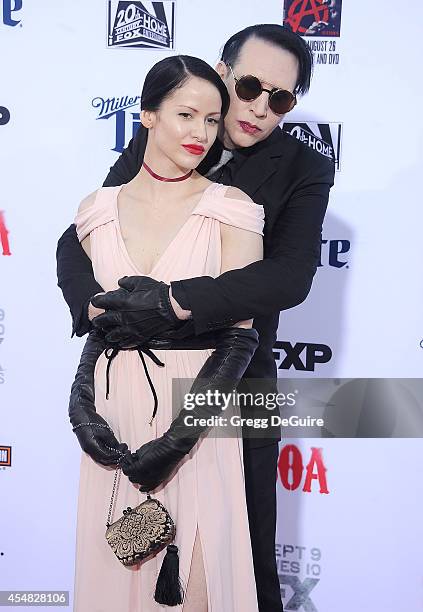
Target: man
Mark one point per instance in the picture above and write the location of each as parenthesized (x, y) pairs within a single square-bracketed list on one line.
[(264, 68)]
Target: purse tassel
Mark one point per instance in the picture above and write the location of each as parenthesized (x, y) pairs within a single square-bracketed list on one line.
[(168, 586)]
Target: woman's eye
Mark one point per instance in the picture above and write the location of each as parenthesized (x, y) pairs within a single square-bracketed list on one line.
[(185, 115), (213, 121)]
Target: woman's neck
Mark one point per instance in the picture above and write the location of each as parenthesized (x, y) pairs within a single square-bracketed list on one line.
[(164, 167)]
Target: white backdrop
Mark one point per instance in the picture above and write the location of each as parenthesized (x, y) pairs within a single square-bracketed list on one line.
[(356, 546)]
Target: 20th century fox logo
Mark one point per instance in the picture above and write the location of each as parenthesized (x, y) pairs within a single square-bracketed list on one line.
[(143, 25), (5, 456)]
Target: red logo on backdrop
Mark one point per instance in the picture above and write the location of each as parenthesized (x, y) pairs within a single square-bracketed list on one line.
[(4, 240), (313, 17), (291, 469)]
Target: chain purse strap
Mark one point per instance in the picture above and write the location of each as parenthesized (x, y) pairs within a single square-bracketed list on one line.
[(116, 481)]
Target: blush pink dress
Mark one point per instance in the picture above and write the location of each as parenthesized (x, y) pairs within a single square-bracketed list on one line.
[(207, 490)]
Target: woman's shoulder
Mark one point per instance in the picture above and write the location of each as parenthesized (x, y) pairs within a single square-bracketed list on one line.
[(96, 209), (232, 206)]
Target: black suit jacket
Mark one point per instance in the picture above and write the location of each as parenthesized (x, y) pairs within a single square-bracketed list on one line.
[(292, 182)]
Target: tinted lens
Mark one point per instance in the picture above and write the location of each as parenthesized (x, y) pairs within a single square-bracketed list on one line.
[(282, 101), (248, 88)]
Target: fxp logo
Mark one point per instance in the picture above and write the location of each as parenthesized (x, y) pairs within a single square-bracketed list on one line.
[(10, 8), (313, 17), (302, 356)]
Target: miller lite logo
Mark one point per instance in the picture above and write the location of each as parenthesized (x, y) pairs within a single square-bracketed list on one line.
[(4, 115), (10, 10), (143, 25)]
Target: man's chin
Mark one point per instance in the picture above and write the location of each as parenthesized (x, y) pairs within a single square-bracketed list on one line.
[(241, 139)]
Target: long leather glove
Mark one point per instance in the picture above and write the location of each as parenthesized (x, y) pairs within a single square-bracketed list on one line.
[(151, 464), (93, 432), (142, 304)]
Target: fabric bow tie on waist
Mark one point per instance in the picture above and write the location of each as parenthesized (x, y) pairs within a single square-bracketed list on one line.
[(110, 353)]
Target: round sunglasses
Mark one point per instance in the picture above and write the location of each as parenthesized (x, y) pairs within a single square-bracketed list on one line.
[(249, 88)]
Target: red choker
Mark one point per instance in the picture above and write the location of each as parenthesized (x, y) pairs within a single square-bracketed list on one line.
[(163, 178)]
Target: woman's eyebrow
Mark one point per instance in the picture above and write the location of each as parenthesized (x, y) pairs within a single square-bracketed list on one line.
[(196, 111)]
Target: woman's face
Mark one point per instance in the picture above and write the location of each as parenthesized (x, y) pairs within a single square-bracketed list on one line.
[(184, 128)]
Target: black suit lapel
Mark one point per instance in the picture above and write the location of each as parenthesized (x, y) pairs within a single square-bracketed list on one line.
[(255, 166)]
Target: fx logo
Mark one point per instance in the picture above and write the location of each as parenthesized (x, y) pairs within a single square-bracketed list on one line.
[(301, 597), (332, 251), (312, 353), (10, 7)]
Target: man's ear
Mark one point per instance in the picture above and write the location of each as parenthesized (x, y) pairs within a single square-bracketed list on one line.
[(221, 69), (147, 118)]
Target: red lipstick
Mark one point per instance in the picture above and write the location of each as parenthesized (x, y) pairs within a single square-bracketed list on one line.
[(249, 128), (194, 149)]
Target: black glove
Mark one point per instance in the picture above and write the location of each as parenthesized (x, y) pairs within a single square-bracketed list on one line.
[(142, 305), (93, 432), (151, 464)]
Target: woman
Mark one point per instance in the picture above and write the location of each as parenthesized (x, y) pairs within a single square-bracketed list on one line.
[(169, 223)]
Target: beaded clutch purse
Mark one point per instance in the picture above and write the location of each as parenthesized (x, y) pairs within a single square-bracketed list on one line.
[(141, 531)]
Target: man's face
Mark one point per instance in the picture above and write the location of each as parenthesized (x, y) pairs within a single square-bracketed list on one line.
[(249, 122)]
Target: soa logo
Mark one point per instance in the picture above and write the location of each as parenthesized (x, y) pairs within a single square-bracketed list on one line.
[(10, 8), (4, 236)]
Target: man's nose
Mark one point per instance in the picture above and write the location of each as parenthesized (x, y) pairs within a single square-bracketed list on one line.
[(260, 105)]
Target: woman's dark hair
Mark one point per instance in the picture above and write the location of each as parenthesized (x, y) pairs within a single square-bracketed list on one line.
[(279, 36), (171, 73)]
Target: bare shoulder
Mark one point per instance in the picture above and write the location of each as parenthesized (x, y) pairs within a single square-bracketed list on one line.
[(87, 201), (237, 194)]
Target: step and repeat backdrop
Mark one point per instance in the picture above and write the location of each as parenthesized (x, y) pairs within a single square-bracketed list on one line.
[(349, 530)]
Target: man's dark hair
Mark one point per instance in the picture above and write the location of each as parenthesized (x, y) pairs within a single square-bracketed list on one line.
[(171, 73), (279, 36)]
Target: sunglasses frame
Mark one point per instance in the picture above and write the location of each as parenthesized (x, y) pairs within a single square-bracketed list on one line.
[(269, 91)]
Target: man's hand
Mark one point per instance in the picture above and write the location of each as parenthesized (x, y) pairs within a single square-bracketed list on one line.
[(142, 304), (152, 463)]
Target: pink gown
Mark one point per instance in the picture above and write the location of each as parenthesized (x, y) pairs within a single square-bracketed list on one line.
[(207, 489)]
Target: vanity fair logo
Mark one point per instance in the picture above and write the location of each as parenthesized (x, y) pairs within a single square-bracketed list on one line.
[(116, 109), (4, 235), (10, 10), (325, 138), (141, 25)]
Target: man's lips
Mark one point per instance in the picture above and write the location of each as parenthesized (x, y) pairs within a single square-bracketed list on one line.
[(194, 149), (249, 127)]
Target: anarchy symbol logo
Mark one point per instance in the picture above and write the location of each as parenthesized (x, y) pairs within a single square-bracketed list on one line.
[(303, 13)]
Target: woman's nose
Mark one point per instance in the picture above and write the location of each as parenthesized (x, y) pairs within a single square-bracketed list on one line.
[(199, 132)]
